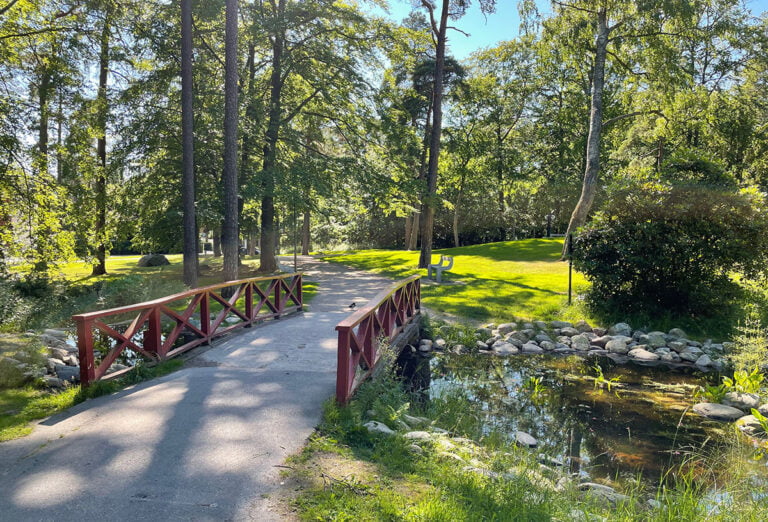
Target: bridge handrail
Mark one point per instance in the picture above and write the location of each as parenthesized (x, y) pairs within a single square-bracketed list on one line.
[(384, 317), (282, 295)]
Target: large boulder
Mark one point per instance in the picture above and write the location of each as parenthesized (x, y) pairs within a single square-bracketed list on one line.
[(580, 342), (620, 329), (657, 339), (153, 260), (719, 412), (742, 401)]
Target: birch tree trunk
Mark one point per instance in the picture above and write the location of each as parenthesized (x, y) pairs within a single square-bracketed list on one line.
[(592, 169), (188, 159), (229, 232)]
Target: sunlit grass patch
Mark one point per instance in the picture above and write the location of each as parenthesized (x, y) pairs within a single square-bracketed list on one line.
[(495, 281)]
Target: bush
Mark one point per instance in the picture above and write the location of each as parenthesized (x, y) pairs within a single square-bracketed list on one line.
[(655, 249)]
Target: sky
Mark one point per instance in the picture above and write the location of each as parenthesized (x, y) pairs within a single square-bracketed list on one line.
[(504, 24)]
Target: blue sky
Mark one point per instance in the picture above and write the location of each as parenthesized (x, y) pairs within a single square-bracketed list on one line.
[(502, 25)]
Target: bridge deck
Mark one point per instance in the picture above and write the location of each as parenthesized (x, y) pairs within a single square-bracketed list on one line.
[(199, 444)]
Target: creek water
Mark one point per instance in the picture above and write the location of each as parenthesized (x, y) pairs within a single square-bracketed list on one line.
[(634, 422)]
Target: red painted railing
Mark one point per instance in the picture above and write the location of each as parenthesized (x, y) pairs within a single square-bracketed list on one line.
[(249, 303), (383, 318)]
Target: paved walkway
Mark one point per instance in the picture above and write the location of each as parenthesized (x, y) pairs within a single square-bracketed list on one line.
[(199, 444)]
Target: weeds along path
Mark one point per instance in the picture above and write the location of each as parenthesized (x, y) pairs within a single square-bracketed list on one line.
[(202, 443)]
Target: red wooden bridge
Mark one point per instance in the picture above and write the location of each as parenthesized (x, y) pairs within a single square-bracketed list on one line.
[(172, 325)]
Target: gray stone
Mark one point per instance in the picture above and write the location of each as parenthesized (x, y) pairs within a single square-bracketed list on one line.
[(542, 337), (425, 348), (695, 344), (378, 428), (520, 336), (583, 326), (717, 347), (687, 356), (516, 342), (153, 260), (507, 328), (580, 343), (232, 320), (525, 439), (602, 340), (425, 342), (415, 421), (620, 329), (415, 448), (677, 346), (677, 333), (763, 410), (439, 344), (483, 333), (695, 350), (541, 325), (742, 401), (480, 345), (51, 341), (599, 331), (51, 363), (719, 412), (569, 331), (562, 348), (560, 324), (547, 345), (670, 357), (602, 492), (532, 348), (564, 340), (654, 504), (637, 334), (704, 361), (657, 339), (58, 353), (53, 382), (504, 348), (749, 424), (728, 347), (71, 360), (68, 373), (418, 435), (491, 341), (528, 326), (643, 355), (617, 346), (53, 332)]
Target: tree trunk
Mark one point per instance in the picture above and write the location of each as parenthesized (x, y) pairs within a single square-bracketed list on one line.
[(59, 139), (305, 238), (415, 225), (253, 239), (428, 202), (188, 158), (408, 225), (216, 240), (269, 237), (100, 231), (229, 232), (43, 93), (592, 169)]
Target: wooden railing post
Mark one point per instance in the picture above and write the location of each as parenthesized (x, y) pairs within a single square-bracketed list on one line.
[(249, 303), (344, 374), (278, 301), (85, 351), (152, 336)]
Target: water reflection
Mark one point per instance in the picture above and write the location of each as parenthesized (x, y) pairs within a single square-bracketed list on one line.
[(639, 426)]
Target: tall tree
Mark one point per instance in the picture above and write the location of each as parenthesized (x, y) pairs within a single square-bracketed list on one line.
[(102, 108), (229, 233), (439, 23), (188, 158)]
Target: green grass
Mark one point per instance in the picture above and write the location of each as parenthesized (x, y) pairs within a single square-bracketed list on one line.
[(490, 282), (20, 407)]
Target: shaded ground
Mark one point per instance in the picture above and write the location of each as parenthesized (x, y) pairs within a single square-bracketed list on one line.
[(200, 444)]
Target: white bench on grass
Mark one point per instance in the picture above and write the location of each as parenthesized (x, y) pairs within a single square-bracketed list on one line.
[(440, 267)]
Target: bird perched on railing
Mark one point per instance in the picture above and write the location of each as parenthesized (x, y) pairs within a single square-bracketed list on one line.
[(352, 306)]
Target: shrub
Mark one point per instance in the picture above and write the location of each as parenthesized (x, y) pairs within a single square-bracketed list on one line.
[(655, 248)]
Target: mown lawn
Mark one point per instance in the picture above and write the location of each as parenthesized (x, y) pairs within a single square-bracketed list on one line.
[(489, 282)]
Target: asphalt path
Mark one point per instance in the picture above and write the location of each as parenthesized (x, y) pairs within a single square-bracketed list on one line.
[(202, 443)]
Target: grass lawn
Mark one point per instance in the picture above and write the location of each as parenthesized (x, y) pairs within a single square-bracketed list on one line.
[(490, 282)]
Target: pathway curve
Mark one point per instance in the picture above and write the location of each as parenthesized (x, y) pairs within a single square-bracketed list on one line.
[(199, 444)]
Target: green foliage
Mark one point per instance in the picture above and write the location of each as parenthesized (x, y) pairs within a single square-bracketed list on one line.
[(656, 248), (762, 419), (601, 381), (750, 350), (745, 382), (713, 393)]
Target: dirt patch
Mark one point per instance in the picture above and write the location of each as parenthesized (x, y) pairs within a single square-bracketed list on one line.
[(322, 470)]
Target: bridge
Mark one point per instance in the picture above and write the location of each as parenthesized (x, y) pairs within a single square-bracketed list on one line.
[(204, 443)]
